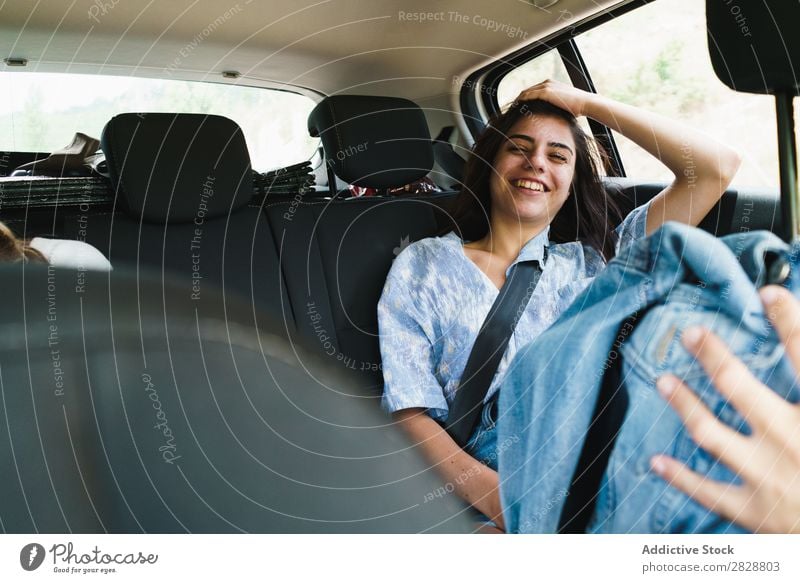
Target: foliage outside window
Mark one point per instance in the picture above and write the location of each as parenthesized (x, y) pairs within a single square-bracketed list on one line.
[(656, 57), (42, 111)]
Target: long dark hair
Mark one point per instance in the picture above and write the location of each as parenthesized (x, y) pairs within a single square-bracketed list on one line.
[(13, 249), (589, 215)]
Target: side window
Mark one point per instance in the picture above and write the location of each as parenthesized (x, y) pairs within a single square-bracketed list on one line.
[(40, 112), (546, 66), (656, 57)]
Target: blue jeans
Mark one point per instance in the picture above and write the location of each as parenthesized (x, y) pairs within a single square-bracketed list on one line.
[(482, 445), (675, 278)]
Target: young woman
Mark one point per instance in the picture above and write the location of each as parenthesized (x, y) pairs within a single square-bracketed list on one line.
[(531, 192)]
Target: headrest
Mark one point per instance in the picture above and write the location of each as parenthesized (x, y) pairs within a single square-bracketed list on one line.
[(378, 142), (168, 167), (754, 45)]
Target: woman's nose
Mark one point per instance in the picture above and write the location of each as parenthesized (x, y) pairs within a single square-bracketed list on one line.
[(535, 160)]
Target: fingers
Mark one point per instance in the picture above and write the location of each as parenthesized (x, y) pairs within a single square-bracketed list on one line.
[(533, 89), (754, 401), (783, 311), (544, 90), (729, 446), (727, 500)]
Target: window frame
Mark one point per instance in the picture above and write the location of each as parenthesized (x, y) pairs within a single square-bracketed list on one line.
[(484, 82)]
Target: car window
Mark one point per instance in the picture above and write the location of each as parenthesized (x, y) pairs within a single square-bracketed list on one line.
[(42, 111), (656, 57), (546, 66)]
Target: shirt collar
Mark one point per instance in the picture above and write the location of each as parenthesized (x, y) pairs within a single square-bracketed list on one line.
[(533, 250)]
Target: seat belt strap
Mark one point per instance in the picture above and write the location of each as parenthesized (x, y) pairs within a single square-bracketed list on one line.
[(601, 435), (489, 348)]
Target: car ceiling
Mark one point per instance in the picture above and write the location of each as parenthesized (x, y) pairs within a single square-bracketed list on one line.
[(324, 46)]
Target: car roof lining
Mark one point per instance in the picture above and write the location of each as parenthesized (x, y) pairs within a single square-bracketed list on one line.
[(317, 46)]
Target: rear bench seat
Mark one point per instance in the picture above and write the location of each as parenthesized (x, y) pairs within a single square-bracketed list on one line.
[(319, 267), (335, 255), (182, 185)]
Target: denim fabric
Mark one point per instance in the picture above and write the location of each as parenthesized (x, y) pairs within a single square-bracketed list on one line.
[(436, 299), (482, 445), (677, 277)]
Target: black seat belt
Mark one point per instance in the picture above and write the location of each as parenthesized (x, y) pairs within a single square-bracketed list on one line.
[(601, 435), (489, 347)]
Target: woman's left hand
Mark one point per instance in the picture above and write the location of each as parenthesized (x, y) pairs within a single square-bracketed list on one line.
[(768, 460), (559, 94)]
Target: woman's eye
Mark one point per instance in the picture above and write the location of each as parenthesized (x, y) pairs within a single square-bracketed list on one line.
[(559, 157), (518, 150)]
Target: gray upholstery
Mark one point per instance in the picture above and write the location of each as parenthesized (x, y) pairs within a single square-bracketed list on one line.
[(379, 142), (125, 418)]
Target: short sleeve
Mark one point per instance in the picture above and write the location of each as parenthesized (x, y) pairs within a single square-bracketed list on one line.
[(633, 227), (407, 340), (71, 254)]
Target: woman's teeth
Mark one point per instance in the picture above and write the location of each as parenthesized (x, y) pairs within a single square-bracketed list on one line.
[(529, 185)]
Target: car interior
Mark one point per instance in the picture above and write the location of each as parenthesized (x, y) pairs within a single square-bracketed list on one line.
[(226, 375)]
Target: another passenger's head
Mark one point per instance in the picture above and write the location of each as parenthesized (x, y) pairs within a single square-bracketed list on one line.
[(13, 249), (535, 164)]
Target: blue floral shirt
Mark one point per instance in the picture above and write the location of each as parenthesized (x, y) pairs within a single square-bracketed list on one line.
[(435, 300)]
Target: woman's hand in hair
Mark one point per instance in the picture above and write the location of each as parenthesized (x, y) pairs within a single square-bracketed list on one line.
[(561, 95), (703, 167), (768, 460)]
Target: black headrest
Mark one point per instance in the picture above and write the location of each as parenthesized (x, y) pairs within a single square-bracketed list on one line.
[(169, 167), (754, 44), (378, 142)]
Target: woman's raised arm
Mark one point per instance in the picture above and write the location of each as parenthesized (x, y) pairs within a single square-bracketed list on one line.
[(703, 167)]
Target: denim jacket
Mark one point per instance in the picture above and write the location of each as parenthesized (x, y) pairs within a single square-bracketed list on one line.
[(677, 277)]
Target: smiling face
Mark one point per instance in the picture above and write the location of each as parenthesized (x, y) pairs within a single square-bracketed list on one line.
[(533, 170)]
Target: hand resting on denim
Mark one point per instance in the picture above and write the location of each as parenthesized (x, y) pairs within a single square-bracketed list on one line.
[(768, 460)]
